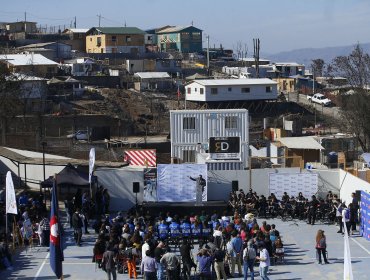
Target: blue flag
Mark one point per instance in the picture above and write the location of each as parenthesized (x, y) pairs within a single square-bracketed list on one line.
[(56, 252)]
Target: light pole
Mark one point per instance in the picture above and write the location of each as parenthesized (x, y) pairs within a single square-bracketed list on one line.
[(43, 143)]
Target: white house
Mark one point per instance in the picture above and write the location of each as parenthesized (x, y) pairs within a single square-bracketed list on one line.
[(231, 90), (221, 134)]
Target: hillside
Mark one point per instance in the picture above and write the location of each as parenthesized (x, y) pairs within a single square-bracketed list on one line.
[(305, 56)]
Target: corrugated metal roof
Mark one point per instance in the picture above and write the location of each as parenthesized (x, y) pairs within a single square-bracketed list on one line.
[(57, 161), (152, 75), (305, 142), (27, 59), (120, 30), (40, 45), (227, 82), (76, 30), (174, 29)]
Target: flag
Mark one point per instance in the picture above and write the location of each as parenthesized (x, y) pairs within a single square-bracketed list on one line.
[(178, 92), (56, 252), (11, 202), (91, 163), (347, 268)]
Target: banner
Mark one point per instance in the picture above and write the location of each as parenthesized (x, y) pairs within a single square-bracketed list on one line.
[(150, 184), (365, 215), (91, 163), (347, 267), (293, 184), (56, 252), (174, 184), (144, 157), (224, 147), (11, 202)]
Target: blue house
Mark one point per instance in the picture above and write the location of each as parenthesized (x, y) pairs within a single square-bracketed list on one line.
[(186, 39)]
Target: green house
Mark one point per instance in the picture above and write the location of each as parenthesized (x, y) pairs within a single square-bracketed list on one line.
[(183, 39)]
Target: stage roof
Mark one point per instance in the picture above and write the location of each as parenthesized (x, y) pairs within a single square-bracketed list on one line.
[(21, 159)]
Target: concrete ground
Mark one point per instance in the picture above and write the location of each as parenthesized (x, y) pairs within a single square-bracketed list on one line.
[(300, 262)]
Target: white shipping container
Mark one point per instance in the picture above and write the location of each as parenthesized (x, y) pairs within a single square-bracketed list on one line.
[(191, 129)]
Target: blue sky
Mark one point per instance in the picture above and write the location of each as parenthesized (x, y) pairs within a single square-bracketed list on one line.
[(280, 24)]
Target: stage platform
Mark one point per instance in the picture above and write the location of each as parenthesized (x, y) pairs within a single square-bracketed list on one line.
[(184, 208)]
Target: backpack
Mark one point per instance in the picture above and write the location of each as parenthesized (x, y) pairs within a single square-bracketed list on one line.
[(219, 242), (251, 254), (347, 214)]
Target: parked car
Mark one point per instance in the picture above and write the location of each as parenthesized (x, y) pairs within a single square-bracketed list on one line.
[(320, 99), (79, 135)]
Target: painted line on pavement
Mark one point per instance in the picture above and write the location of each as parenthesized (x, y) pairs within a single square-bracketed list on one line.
[(362, 246), (41, 267), (81, 263), (343, 258)]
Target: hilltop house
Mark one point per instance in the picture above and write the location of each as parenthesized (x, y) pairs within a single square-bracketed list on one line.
[(77, 38), (32, 64), (186, 39), (52, 50), (115, 40), (231, 90)]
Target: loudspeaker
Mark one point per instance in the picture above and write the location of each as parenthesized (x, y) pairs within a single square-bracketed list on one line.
[(135, 187), (358, 196), (235, 186)]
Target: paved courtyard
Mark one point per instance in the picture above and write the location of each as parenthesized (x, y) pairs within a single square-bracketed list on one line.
[(298, 239)]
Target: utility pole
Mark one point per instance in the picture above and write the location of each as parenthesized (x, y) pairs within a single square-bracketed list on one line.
[(256, 46), (99, 16), (75, 22), (207, 53), (25, 22)]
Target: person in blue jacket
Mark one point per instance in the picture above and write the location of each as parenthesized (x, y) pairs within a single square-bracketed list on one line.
[(163, 230), (196, 230), (186, 227), (175, 230)]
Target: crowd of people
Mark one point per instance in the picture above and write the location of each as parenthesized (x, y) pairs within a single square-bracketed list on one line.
[(328, 210), (30, 225), (162, 245)]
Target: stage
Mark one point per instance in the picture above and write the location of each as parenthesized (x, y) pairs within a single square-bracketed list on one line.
[(184, 208)]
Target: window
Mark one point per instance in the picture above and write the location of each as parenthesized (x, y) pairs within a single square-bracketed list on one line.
[(195, 89), (98, 41), (201, 90), (188, 156), (214, 90), (128, 39), (246, 90), (189, 90), (114, 38), (231, 122), (269, 89), (229, 89), (188, 123)]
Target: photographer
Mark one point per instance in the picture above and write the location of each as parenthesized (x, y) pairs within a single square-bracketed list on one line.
[(205, 261)]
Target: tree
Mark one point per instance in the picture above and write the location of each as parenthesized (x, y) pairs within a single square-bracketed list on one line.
[(317, 67), (355, 107), (10, 104)]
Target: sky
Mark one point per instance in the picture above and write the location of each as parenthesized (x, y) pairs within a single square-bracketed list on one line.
[(281, 25)]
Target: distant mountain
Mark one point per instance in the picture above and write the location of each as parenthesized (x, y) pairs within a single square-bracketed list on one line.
[(305, 56)]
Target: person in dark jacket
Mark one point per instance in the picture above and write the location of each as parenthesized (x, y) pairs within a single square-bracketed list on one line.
[(109, 262), (187, 261), (312, 208), (77, 226)]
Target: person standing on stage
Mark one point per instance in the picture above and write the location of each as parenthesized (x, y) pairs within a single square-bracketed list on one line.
[(200, 185)]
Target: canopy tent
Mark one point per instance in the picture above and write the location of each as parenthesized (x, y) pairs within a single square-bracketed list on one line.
[(69, 176)]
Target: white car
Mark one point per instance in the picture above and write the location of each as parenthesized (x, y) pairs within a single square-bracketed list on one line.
[(79, 135), (320, 99)]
